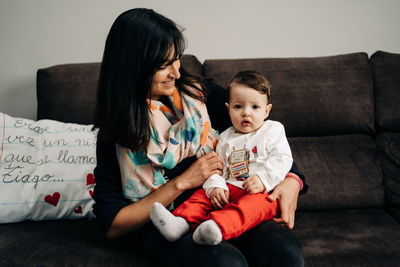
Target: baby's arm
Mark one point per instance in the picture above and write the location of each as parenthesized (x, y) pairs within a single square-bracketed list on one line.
[(280, 158), (219, 197), (217, 181), (214, 181), (253, 185)]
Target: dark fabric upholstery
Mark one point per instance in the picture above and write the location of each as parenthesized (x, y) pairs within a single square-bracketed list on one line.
[(329, 238), (395, 212), (386, 68), (389, 145), (67, 92), (62, 243), (367, 237), (342, 171), (191, 64), (311, 96)]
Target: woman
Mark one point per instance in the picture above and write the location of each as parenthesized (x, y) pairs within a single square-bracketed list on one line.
[(141, 66)]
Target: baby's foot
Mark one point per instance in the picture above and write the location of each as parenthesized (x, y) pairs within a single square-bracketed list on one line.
[(171, 227), (207, 233)]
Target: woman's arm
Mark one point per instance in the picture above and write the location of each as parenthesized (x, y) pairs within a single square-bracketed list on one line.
[(287, 193), (122, 217)]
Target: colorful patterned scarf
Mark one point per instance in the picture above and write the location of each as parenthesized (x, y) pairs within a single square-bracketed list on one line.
[(175, 135)]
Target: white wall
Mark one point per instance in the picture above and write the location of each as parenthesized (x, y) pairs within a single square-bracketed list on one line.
[(40, 33)]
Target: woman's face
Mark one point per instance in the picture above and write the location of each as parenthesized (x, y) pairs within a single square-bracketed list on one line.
[(164, 80)]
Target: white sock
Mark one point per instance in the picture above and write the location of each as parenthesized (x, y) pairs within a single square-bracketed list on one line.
[(207, 233), (170, 226)]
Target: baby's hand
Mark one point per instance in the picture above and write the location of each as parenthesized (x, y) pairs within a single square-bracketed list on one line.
[(253, 185), (219, 197)]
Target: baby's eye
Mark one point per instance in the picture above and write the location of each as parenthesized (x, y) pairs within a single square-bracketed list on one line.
[(256, 107), (237, 106)]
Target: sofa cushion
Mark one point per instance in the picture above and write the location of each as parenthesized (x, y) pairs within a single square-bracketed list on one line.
[(342, 172), (191, 64), (386, 69), (311, 96), (367, 237), (67, 92), (389, 146)]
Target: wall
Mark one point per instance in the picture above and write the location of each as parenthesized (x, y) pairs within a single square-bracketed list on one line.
[(41, 33)]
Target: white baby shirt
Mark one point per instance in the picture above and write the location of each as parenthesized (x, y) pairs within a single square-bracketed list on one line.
[(269, 156)]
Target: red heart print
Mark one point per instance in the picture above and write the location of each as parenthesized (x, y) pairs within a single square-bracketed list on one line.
[(90, 179), (91, 193), (254, 150), (53, 199), (78, 210)]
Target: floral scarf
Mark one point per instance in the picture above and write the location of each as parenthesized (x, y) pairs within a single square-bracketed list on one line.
[(175, 135)]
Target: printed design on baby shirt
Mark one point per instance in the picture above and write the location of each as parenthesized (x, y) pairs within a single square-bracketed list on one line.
[(238, 164)]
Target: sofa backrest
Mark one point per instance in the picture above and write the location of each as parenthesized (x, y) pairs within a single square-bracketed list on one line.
[(386, 69), (67, 92), (311, 96)]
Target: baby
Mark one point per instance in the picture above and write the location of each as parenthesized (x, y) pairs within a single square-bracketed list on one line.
[(256, 157)]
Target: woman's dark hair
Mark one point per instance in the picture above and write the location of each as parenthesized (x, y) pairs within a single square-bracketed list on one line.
[(139, 42)]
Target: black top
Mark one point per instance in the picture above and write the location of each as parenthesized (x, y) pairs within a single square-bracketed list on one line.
[(108, 196)]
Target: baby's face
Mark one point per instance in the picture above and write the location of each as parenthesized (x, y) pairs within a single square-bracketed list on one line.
[(247, 108)]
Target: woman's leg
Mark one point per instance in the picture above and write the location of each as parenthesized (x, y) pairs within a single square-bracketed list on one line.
[(185, 252), (270, 244)]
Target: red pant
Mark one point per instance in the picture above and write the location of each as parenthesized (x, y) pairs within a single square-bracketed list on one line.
[(243, 212)]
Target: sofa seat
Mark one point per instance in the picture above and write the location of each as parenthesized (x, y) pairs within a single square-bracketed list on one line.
[(341, 237), (349, 237), (62, 243)]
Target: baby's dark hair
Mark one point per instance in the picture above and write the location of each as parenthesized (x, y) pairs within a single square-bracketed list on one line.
[(253, 80)]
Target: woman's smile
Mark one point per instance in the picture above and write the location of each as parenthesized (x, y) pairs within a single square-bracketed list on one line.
[(169, 83)]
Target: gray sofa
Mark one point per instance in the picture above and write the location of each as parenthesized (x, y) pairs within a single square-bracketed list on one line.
[(342, 117)]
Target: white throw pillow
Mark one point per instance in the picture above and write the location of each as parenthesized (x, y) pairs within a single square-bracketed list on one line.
[(46, 170)]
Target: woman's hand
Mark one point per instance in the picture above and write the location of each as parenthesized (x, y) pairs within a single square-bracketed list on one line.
[(199, 171), (133, 216), (287, 193), (253, 185), (219, 197)]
